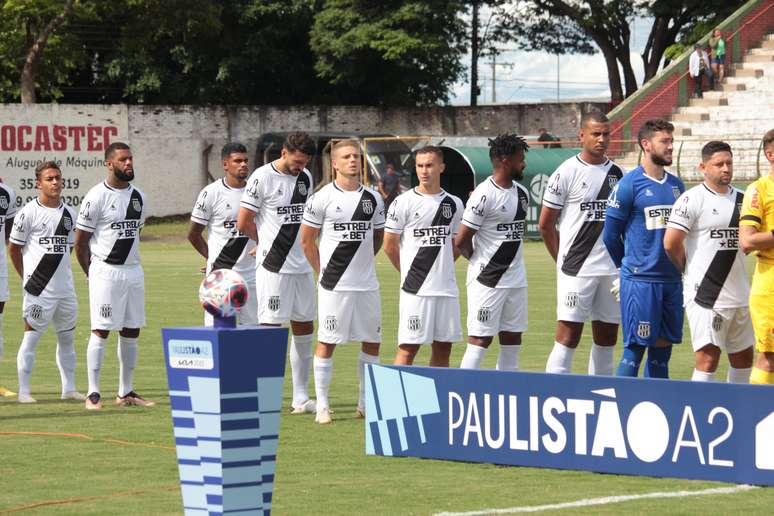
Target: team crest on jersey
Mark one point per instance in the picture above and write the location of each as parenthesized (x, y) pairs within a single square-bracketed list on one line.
[(68, 223), (484, 313), (33, 312), (612, 181), (446, 211), (414, 323), (106, 311), (717, 322), (136, 204), (274, 303), (643, 329), (368, 206), (571, 300), (330, 323), (302, 188), (676, 191)]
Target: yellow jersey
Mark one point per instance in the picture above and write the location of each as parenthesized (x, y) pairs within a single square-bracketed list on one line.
[(758, 212)]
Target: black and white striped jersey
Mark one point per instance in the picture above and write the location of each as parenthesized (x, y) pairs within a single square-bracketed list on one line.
[(216, 208), (580, 190), (498, 216), (715, 274), (347, 221), (427, 225), (46, 236), (115, 217), (278, 202), (8, 209)]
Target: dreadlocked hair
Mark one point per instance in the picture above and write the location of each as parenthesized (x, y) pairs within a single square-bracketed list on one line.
[(505, 145)]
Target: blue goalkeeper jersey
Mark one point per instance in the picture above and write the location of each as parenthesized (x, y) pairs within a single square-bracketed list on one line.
[(635, 222)]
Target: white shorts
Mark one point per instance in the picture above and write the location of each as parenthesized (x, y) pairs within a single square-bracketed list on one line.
[(116, 296), (248, 315), (579, 299), (285, 297), (727, 328), (428, 319), (492, 310), (349, 316), (41, 311)]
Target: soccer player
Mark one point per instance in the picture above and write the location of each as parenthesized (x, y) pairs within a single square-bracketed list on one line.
[(702, 240), (107, 245), (41, 241), (216, 210), (490, 237), (650, 285), (419, 241), (576, 198), (270, 213), (756, 234), (8, 207), (350, 221)]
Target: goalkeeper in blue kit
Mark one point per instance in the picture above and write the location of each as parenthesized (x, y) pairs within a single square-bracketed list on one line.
[(650, 286)]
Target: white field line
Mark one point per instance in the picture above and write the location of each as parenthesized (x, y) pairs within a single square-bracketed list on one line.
[(588, 502)]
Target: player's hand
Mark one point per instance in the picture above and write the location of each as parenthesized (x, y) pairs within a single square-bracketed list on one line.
[(616, 289), (203, 269)]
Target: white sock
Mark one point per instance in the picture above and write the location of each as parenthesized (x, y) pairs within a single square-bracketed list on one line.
[(601, 360), (701, 376), (25, 360), (362, 360), (508, 360), (127, 360), (739, 375), (95, 352), (473, 357), (65, 359), (560, 359), (323, 372), (300, 367)]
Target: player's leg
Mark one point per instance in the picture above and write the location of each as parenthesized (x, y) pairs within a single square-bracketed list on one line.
[(302, 301), (605, 318), (65, 317), (763, 322), (573, 308), (25, 358), (323, 372), (475, 351), (706, 360), (705, 340), (415, 325), (440, 353), (366, 328), (445, 318), (484, 313), (4, 392), (102, 293), (637, 323), (248, 315), (739, 343), (369, 354), (670, 329), (133, 318), (406, 354), (513, 322)]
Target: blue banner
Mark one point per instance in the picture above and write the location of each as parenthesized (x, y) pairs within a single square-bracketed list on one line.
[(663, 428), (225, 389)]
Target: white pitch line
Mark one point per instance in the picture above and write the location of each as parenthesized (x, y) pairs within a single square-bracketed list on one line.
[(587, 502)]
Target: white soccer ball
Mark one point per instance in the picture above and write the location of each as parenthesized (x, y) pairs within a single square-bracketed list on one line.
[(223, 293)]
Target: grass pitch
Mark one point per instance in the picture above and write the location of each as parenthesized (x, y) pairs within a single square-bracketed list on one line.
[(56, 458)]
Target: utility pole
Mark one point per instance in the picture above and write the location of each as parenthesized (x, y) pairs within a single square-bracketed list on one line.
[(557, 77), (474, 91)]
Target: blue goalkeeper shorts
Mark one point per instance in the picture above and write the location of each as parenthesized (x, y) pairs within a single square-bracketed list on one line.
[(651, 311)]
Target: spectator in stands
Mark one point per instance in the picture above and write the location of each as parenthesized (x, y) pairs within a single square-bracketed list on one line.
[(698, 67), (717, 55), (389, 185), (545, 136)]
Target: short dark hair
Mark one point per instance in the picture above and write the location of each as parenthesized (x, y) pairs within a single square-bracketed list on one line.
[(430, 149), (232, 148), (768, 138), (594, 115), (654, 125), (506, 144), (45, 165), (299, 142), (114, 147), (712, 147)]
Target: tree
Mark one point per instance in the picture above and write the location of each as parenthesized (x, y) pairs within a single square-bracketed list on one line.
[(389, 52)]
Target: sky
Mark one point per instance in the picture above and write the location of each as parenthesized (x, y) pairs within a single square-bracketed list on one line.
[(531, 76)]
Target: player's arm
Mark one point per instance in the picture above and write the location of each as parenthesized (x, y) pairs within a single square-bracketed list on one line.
[(309, 245), (15, 252), (378, 240), (246, 223), (8, 224), (82, 251), (674, 247), (548, 230), (750, 239), (464, 241), (392, 248), (196, 237)]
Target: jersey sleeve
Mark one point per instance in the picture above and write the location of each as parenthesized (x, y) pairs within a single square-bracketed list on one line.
[(475, 212), (684, 213), (619, 207), (457, 218), (379, 216), (314, 211), (396, 217), (89, 214), (71, 233), (13, 204), (252, 199), (752, 211), (20, 231), (202, 210), (555, 193)]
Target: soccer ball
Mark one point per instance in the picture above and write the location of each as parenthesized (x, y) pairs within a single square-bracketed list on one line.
[(223, 293)]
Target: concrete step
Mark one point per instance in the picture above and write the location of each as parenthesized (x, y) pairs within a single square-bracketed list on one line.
[(758, 58), (690, 117), (765, 51), (767, 43), (732, 86), (709, 101), (747, 72)]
